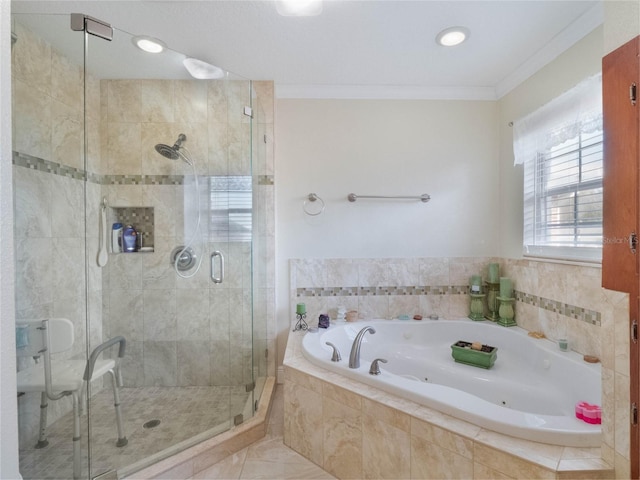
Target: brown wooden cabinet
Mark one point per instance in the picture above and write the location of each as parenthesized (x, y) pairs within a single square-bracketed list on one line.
[(620, 216), (620, 260)]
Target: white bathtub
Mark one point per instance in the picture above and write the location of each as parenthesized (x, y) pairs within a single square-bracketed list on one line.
[(530, 392)]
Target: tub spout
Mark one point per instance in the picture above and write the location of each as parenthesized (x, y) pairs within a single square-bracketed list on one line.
[(354, 357)]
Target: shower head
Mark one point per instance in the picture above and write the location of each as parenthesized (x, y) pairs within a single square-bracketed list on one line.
[(173, 153), (166, 151)]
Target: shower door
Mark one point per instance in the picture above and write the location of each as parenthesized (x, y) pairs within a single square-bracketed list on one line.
[(172, 159), (88, 115)]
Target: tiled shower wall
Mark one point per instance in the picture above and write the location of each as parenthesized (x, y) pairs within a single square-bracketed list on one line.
[(559, 300)]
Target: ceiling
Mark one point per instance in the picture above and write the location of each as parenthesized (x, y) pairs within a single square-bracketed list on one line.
[(357, 48)]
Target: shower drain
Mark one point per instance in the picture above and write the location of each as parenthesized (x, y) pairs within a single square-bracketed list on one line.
[(151, 424)]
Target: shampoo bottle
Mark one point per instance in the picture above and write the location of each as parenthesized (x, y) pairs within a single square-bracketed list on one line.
[(129, 239), (116, 238)]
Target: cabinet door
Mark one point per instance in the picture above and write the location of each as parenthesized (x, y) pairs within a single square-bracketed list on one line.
[(620, 201)]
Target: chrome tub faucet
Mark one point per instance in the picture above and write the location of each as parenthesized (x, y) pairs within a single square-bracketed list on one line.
[(354, 356)]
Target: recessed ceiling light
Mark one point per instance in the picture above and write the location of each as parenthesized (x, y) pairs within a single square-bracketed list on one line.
[(299, 8), (450, 37), (202, 70), (148, 44)]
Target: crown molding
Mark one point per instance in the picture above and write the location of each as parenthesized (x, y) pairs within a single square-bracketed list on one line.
[(384, 92)]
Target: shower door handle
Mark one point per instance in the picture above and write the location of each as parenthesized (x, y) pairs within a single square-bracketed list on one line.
[(218, 254)]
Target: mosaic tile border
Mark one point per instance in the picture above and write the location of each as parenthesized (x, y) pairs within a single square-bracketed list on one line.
[(381, 291), (35, 163), (591, 317)]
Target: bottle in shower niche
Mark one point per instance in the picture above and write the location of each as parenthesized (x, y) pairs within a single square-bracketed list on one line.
[(116, 238), (129, 239)]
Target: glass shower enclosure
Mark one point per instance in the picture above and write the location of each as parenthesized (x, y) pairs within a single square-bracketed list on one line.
[(109, 137)]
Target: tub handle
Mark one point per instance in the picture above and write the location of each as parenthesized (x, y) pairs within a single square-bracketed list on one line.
[(375, 368), (336, 357)]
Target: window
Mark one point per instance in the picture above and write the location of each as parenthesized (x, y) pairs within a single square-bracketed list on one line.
[(560, 146), (231, 207)]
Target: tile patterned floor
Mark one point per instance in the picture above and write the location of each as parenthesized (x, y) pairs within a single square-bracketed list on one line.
[(268, 458), (183, 412)]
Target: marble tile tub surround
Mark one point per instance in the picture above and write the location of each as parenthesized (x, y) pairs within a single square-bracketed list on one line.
[(543, 287), (355, 431), (386, 288)]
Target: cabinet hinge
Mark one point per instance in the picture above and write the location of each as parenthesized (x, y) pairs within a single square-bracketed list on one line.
[(634, 331), (633, 242), (634, 414), (632, 93)]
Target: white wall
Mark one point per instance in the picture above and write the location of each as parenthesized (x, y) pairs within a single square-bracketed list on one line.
[(8, 405), (621, 23), (447, 149)]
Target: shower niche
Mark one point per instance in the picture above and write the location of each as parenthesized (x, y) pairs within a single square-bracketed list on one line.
[(141, 218)]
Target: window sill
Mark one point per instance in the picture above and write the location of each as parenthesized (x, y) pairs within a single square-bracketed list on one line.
[(563, 260)]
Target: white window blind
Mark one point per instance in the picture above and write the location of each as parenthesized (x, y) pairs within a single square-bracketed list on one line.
[(560, 146), (230, 200)]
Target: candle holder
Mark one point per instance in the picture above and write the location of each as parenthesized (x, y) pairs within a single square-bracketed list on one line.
[(477, 306), (506, 313), (493, 289), (301, 324)]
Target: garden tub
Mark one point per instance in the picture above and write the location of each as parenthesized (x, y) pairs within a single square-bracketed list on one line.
[(530, 392)]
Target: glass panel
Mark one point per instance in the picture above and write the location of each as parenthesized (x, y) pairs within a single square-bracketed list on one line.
[(49, 184), (261, 199)]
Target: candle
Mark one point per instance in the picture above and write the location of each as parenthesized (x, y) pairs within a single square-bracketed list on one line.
[(506, 288), (493, 273), (301, 309), (475, 281)]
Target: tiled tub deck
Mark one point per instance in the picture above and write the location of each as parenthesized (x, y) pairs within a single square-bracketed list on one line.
[(353, 430)]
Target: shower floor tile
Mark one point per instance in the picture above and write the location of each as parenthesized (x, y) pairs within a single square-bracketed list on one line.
[(183, 413)]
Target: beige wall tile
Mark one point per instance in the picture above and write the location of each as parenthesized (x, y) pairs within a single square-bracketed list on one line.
[(190, 101), (622, 421), (124, 149), (305, 428), (31, 120), (623, 467), (156, 101), (391, 416), (125, 101), (385, 450), (482, 472), (67, 135), (429, 460), (434, 271), (509, 465), (32, 60), (443, 438), (67, 81), (342, 396), (342, 439)]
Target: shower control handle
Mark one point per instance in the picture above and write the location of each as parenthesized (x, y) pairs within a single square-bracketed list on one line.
[(218, 254)]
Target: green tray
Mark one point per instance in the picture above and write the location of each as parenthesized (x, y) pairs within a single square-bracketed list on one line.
[(462, 353)]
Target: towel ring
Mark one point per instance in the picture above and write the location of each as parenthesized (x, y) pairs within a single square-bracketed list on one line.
[(310, 200)]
